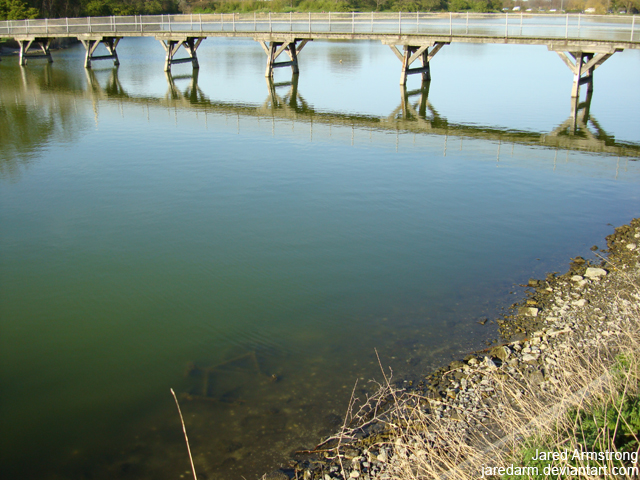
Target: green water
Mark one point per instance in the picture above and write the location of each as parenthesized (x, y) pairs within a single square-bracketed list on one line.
[(251, 250)]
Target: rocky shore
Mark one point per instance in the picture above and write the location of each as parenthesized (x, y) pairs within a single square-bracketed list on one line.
[(561, 314)]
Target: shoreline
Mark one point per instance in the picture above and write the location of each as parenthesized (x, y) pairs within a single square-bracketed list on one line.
[(559, 314)]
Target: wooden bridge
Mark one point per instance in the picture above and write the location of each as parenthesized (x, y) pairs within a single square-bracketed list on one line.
[(583, 42)]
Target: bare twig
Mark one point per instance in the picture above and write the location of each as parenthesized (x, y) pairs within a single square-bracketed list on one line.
[(184, 429)]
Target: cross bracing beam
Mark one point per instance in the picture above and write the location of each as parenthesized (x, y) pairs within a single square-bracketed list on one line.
[(582, 64), (90, 45), (25, 45), (273, 49), (172, 45), (413, 53)]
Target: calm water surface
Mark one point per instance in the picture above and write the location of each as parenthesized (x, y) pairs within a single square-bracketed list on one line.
[(250, 245)]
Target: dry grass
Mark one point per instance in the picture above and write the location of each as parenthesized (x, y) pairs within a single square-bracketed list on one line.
[(566, 413)]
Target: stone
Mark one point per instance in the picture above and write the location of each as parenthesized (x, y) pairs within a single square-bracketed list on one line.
[(595, 273), (577, 278), (382, 456), (528, 358), (528, 311), (490, 363), (579, 303), (354, 474), (631, 246), (501, 352)]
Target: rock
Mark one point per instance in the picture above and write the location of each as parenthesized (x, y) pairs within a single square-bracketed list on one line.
[(382, 456), (490, 363), (276, 475), (577, 278), (528, 311), (595, 273), (536, 377), (579, 303), (528, 358), (500, 352), (354, 474), (533, 282), (631, 246)]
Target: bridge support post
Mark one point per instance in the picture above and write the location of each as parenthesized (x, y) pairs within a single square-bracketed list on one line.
[(25, 45), (411, 54), (90, 45), (582, 64), (171, 46), (273, 49)]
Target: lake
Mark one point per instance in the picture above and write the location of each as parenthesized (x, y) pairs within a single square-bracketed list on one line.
[(253, 245)]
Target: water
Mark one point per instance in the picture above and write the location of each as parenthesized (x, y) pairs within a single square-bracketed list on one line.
[(252, 250)]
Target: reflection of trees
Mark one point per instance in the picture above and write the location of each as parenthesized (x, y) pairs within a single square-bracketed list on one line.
[(29, 119)]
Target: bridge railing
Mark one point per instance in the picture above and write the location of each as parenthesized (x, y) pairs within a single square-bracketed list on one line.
[(341, 25)]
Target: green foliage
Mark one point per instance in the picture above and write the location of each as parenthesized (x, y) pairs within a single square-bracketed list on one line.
[(102, 8), (17, 10), (618, 422), (527, 455), (458, 5)]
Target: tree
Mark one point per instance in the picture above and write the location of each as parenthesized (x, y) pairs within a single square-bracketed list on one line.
[(16, 10)]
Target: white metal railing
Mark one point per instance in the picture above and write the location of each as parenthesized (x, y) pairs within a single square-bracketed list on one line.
[(341, 25)]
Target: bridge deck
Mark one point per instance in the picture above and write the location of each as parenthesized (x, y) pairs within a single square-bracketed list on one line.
[(399, 29)]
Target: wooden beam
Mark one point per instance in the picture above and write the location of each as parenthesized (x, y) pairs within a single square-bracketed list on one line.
[(417, 54), (395, 50), (436, 49), (563, 56)]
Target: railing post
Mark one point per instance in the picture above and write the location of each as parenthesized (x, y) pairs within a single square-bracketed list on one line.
[(309, 22), (566, 31), (506, 25), (169, 21), (329, 21), (633, 24), (200, 21), (233, 21), (255, 25), (270, 27), (291, 21), (521, 20), (353, 22), (372, 22), (89, 18), (579, 16), (67, 22), (46, 26), (450, 23), (466, 30), (399, 22)]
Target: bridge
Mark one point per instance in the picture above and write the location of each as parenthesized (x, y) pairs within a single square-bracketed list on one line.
[(583, 42)]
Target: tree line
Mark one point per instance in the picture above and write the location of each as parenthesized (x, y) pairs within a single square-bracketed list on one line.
[(21, 9)]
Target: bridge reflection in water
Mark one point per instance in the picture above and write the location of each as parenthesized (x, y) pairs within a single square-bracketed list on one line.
[(415, 114)]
